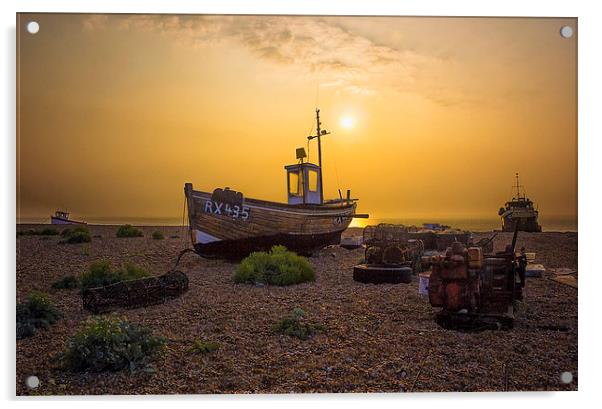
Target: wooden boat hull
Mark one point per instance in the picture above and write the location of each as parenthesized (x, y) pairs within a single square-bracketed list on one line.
[(236, 249), (231, 226)]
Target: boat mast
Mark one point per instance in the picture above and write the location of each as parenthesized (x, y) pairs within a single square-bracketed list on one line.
[(517, 187), (319, 133), (319, 153)]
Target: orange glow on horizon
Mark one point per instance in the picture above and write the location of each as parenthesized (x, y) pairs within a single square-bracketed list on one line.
[(117, 112)]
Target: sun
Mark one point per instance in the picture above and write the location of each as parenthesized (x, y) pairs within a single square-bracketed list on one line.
[(347, 122)]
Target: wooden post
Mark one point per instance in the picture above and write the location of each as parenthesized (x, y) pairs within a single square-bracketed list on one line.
[(189, 200)]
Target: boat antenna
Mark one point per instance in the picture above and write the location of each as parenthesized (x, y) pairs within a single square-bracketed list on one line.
[(319, 133), (517, 186)]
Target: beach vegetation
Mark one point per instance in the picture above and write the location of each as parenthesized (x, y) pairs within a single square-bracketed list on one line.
[(202, 347), (34, 313), (127, 230), (279, 266), (76, 235), (71, 230), (48, 231), (66, 283), (296, 325), (101, 274), (111, 344), (158, 235)]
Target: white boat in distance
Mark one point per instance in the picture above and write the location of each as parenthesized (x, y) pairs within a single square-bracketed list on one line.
[(62, 217)]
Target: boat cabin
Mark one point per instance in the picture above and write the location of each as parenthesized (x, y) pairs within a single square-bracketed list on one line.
[(303, 183), (59, 214)]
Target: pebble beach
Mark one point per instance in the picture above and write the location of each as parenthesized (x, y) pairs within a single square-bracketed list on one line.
[(377, 338)]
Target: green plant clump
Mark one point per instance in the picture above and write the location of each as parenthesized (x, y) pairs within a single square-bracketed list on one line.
[(278, 266), (77, 235), (127, 230), (100, 274), (203, 347), (111, 344), (158, 235), (35, 312), (66, 283), (296, 326), (48, 231)]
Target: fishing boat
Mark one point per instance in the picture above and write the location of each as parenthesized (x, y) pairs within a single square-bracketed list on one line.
[(519, 211), (226, 224), (435, 226), (62, 217)]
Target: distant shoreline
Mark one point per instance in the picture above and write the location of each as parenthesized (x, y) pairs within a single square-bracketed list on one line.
[(59, 226), (551, 223)]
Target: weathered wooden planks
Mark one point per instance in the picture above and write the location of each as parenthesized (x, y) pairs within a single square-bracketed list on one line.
[(268, 218)]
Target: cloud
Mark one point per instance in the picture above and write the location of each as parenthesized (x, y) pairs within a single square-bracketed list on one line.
[(309, 46), (95, 22)]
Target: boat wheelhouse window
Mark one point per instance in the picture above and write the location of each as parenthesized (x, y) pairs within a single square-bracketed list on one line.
[(295, 183), (312, 177)]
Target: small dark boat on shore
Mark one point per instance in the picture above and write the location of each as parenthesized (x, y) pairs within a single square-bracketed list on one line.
[(62, 217), (435, 226), (226, 224), (519, 212)]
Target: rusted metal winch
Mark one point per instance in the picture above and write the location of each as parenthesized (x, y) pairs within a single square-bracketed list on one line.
[(477, 291)]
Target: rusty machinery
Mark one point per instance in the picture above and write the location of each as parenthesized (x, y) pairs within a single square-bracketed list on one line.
[(475, 290), (390, 257), (388, 245)]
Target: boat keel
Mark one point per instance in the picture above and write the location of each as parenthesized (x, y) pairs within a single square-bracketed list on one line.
[(237, 249)]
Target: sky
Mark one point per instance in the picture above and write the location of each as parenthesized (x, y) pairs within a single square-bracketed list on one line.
[(429, 117)]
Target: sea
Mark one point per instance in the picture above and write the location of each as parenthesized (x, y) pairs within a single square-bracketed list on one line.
[(548, 223), (554, 223)]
